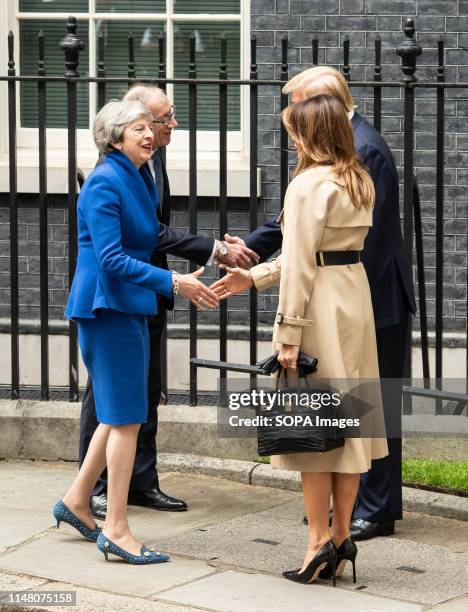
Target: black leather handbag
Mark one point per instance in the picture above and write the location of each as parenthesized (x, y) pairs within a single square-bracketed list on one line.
[(283, 436)]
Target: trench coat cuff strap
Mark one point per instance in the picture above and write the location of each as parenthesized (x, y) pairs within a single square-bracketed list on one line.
[(282, 319)]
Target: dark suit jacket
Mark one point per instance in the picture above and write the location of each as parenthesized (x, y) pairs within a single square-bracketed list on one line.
[(174, 242), (384, 255)]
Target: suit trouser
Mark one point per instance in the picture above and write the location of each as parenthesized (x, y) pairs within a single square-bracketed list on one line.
[(144, 476), (380, 491)]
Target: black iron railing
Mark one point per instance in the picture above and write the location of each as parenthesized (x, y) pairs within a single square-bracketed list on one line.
[(72, 45)]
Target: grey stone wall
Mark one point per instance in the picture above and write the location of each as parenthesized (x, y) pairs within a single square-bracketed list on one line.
[(361, 20)]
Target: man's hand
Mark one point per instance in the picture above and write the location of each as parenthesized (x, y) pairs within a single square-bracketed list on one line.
[(236, 281), (239, 254), (288, 354)]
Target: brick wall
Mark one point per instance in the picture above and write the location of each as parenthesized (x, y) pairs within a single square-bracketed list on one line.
[(331, 21)]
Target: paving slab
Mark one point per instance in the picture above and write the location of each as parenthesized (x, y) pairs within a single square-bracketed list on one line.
[(13, 582), (454, 605), (210, 500), (233, 591), (445, 532), (59, 556), (29, 491), (393, 567), (89, 599)]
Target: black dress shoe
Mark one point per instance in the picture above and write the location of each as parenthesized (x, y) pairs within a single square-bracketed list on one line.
[(365, 530), (98, 505), (157, 500)]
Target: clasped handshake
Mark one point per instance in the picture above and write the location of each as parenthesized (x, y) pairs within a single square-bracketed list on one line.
[(237, 259)]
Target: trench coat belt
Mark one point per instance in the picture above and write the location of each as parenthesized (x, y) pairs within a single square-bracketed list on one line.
[(337, 258)]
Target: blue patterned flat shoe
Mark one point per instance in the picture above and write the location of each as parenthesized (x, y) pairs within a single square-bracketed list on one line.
[(147, 556), (62, 513)]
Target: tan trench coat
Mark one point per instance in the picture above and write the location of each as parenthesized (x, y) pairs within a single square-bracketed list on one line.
[(326, 310)]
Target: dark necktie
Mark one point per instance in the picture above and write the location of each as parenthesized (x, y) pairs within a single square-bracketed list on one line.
[(158, 177)]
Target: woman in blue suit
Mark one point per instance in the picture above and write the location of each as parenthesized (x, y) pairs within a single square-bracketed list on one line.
[(113, 290)]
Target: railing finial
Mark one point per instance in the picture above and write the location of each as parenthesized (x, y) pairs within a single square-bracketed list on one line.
[(11, 53), (409, 51), (71, 45)]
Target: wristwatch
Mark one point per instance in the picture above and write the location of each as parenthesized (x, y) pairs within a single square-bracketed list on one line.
[(222, 249)]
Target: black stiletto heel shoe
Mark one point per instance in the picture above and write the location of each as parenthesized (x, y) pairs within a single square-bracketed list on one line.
[(328, 554), (346, 552)]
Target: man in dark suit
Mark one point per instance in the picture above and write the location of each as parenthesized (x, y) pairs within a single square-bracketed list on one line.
[(379, 501), (144, 485)]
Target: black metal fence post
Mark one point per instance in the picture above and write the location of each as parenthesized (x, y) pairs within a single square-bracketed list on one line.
[(284, 154), (192, 74), (162, 59), (131, 58), (439, 224), (315, 50), (43, 242), (253, 200), (71, 45), (378, 79), (223, 218), (346, 66), (13, 203), (408, 51), (101, 71), (421, 283), (162, 151)]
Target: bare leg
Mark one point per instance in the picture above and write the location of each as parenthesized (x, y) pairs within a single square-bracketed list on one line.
[(121, 448), (317, 489), (344, 491), (77, 496)]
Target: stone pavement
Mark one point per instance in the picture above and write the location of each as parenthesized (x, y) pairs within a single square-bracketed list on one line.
[(227, 553)]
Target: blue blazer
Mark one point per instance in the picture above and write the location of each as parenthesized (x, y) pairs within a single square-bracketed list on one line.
[(118, 230), (384, 255)]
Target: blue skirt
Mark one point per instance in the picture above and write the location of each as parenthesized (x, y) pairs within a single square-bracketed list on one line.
[(115, 349)]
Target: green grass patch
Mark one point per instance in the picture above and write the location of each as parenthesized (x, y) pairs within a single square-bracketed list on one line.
[(443, 474), (447, 475)]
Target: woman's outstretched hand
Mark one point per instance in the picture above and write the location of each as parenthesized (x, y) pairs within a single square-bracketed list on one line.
[(236, 281), (195, 291), (288, 354)]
